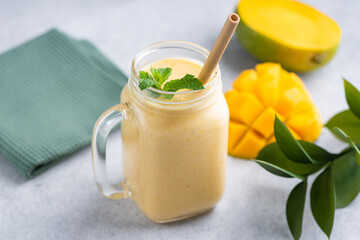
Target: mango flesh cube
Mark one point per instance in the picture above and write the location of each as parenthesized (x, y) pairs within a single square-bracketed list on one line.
[(306, 125), (249, 146), (290, 100), (244, 107), (236, 131), (289, 80), (271, 140), (245, 81), (264, 124), (268, 68), (266, 88), (296, 81)]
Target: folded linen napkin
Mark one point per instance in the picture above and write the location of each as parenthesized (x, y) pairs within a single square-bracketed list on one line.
[(52, 90)]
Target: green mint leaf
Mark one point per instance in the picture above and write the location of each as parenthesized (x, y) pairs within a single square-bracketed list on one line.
[(352, 98), (346, 179), (295, 209), (272, 159), (288, 144), (161, 74), (347, 122), (318, 154), (322, 200), (146, 80), (187, 82)]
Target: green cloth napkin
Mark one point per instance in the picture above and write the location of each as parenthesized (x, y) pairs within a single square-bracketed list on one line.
[(52, 90)]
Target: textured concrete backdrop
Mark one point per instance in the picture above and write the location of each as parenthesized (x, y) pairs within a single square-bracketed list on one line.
[(64, 203)]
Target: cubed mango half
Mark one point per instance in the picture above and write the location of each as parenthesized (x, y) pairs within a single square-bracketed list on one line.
[(258, 95)]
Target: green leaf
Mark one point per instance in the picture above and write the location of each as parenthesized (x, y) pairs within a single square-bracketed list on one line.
[(317, 153), (295, 209), (187, 82), (340, 133), (357, 151), (347, 122), (288, 144), (273, 160), (146, 81), (323, 200), (352, 98), (346, 150), (346, 179), (161, 74), (352, 145), (274, 169)]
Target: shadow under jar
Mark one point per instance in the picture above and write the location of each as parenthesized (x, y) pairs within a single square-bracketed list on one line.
[(174, 151)]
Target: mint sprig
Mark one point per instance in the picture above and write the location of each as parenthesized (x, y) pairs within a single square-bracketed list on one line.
[(187, 82), (158, 77), (340, 176), (147, 81), (161, 74)]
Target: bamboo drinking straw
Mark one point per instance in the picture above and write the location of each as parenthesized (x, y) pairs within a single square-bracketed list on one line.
[(219, 47)]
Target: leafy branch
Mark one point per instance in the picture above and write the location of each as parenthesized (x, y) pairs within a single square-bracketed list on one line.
[(338, 183)]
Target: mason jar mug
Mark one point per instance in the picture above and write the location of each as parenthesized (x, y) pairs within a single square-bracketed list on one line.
[(173, 151)]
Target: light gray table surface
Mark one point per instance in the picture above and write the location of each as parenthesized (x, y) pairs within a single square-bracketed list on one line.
[(63, 202)]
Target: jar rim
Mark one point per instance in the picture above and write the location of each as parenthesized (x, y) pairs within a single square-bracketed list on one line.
[(209, 86)]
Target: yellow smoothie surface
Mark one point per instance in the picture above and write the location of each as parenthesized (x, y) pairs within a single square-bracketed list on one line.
[(175, 160), (180, 67)]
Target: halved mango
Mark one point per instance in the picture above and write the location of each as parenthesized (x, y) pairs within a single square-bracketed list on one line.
[(258, 96), (288, 32)]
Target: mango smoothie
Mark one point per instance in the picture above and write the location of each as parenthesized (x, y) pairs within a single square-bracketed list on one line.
[(174, 155)]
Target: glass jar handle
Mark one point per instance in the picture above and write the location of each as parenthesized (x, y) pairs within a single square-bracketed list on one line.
[(107, 121)]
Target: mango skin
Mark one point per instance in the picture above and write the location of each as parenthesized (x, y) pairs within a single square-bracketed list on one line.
[(292, 59)]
